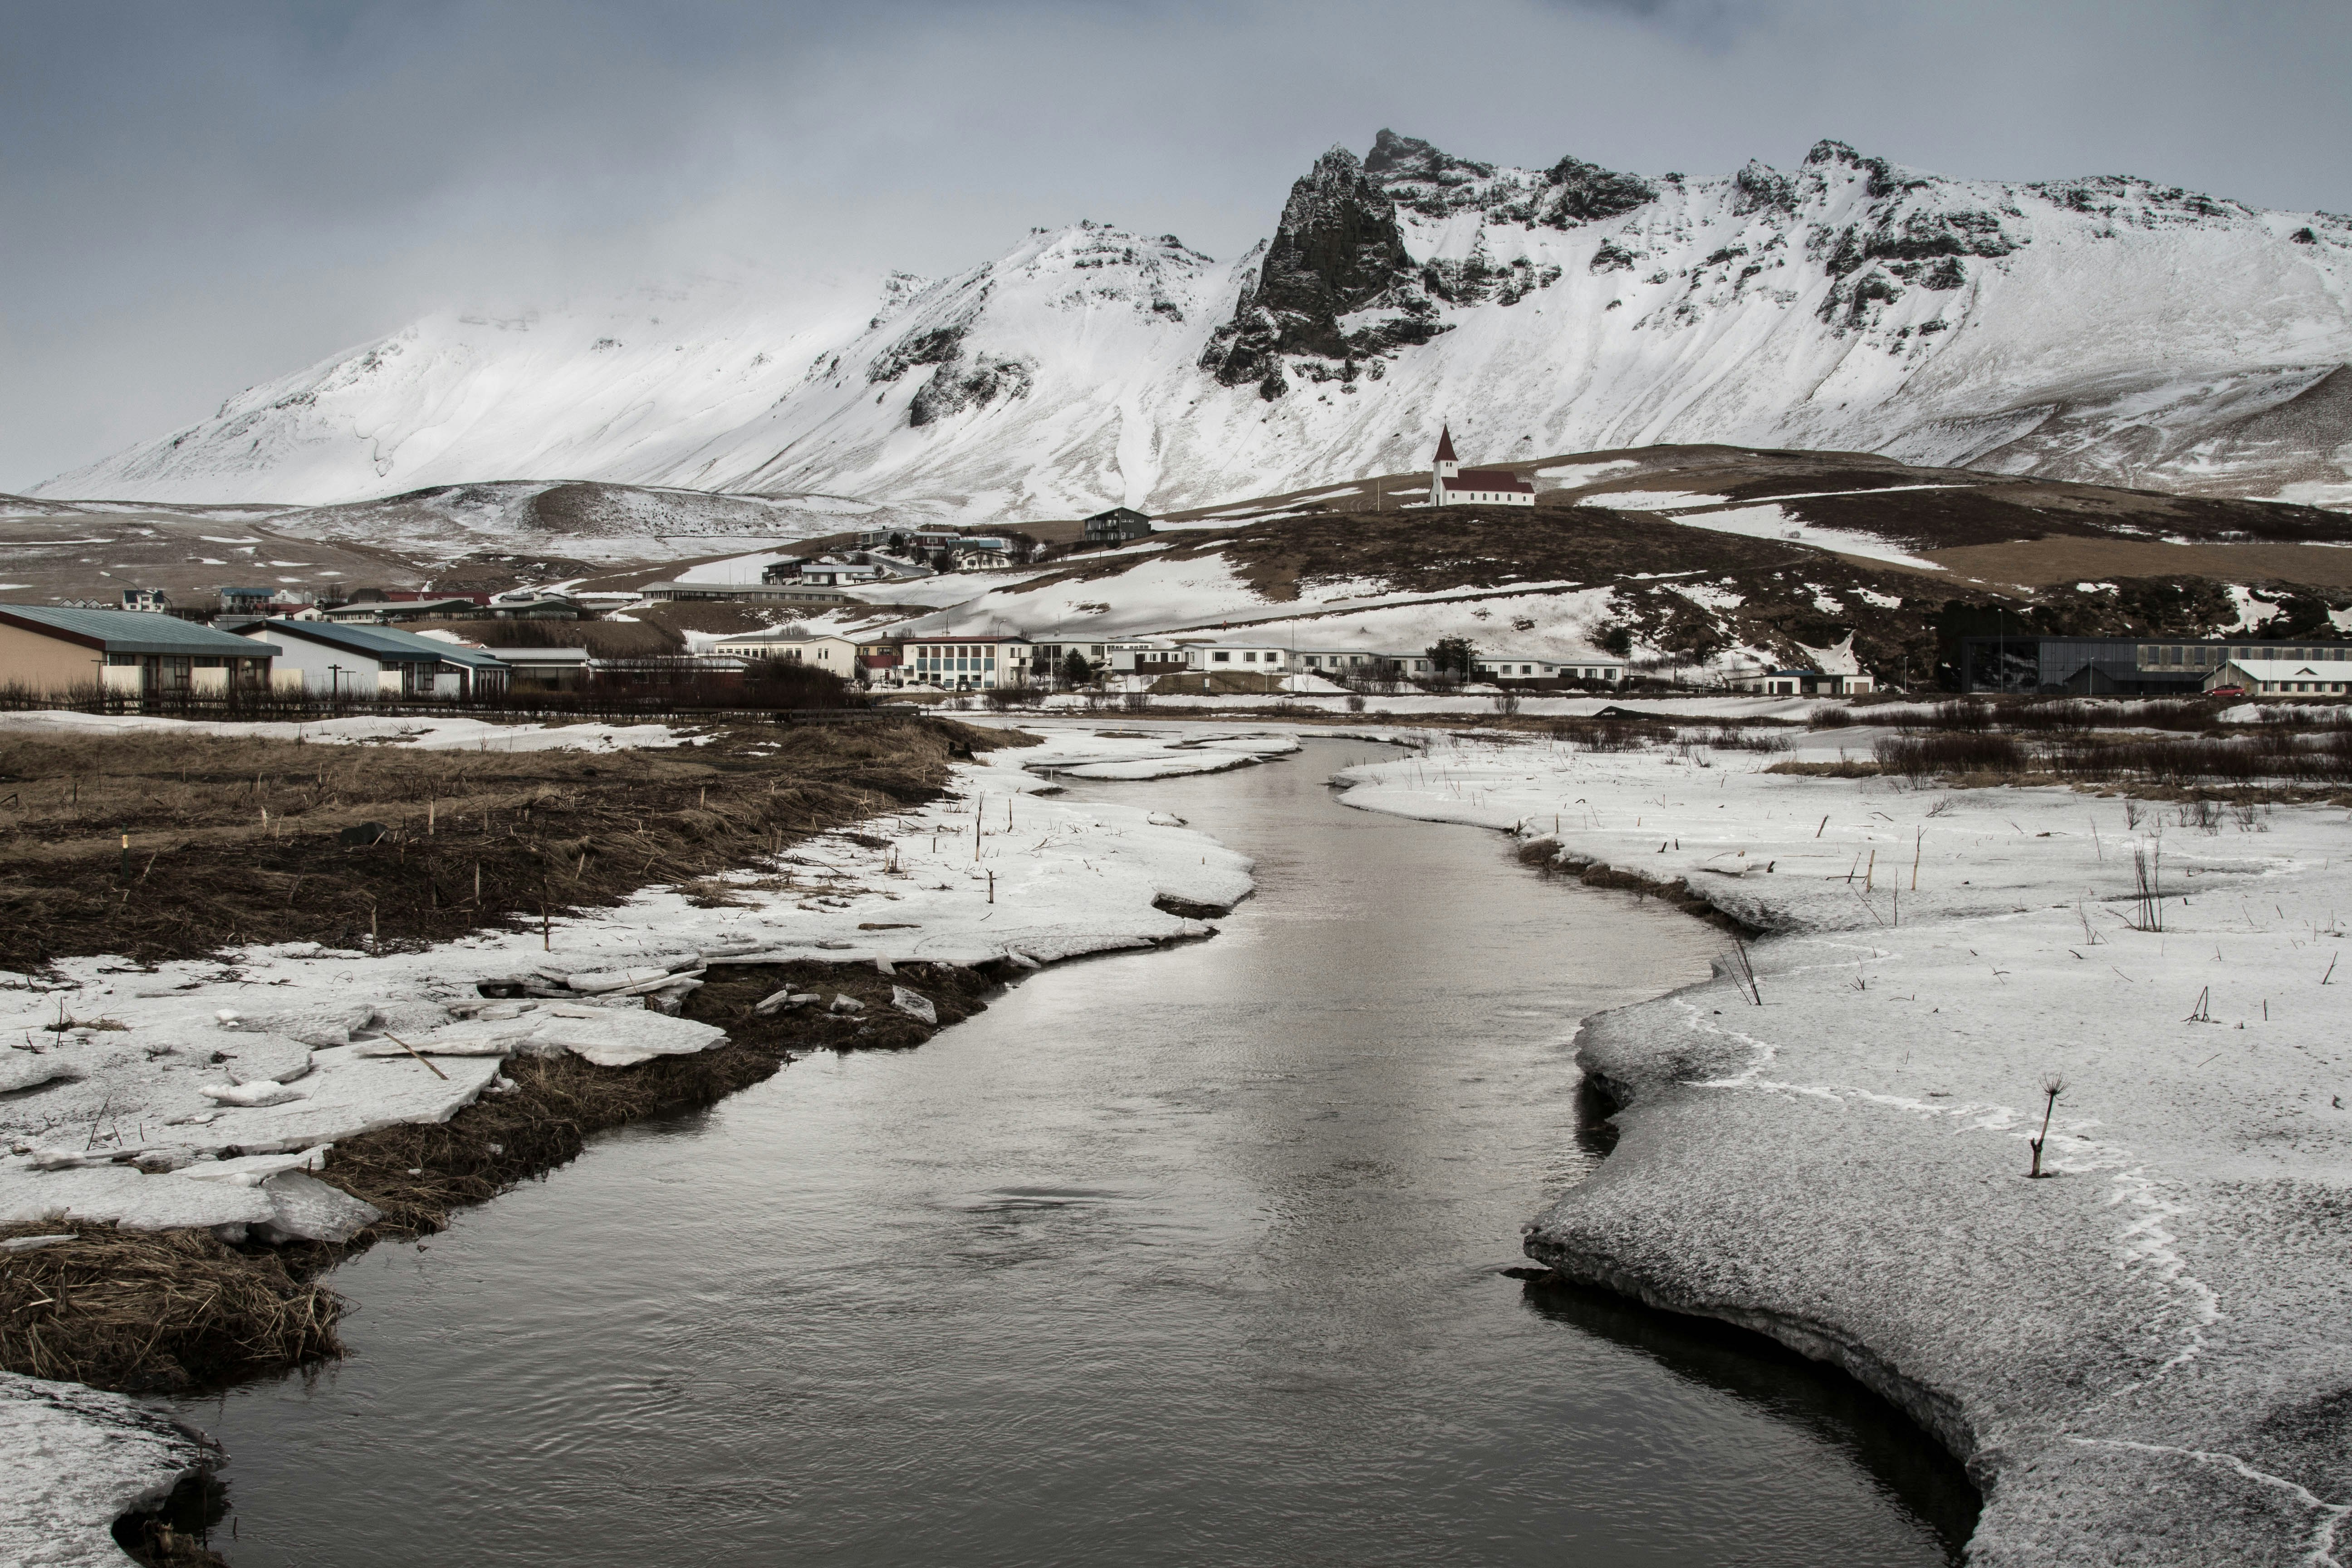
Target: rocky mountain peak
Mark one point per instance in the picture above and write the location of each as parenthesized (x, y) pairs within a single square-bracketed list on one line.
[(1337, 249)]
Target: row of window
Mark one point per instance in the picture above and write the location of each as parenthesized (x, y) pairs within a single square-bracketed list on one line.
[(2188, 656)]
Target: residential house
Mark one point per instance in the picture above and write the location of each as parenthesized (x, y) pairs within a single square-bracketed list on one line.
[(55, 652), (1120, 525), (881, 663), (2283, 676), (1519, 670), (1801, 683), (267, 602), (334, 659), (836, 655), (980, 554)]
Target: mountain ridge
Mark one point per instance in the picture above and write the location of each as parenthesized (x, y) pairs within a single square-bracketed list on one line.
[(2108, 330)]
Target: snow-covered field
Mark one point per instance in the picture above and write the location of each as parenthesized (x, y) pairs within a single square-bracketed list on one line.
[(2142, 1358), (123, 1114)]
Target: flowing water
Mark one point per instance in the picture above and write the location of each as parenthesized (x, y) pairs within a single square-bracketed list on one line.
[(1180, 1257)]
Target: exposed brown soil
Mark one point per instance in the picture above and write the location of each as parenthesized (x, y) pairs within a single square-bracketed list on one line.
[(2040, 562), (477, 838)]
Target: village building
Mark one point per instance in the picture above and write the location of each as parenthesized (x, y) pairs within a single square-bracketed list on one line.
[(1451, 484), (979, 554), (2283, 676), (545, 668), (2118, 667), (268, 602), (668, 670), (880, 662), (838, 656), (385, 612), (962, 663), (1226, 659), (52, 652), (1801, 683), (147, 601), (1120, 525), (334, 661), (793, 593)]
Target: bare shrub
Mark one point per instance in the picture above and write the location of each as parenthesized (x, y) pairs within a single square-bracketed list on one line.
[(1918, 757)]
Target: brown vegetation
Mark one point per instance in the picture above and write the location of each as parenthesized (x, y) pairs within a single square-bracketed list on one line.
[(233, 841)]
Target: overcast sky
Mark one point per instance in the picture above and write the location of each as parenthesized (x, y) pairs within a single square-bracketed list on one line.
[(199, 197)]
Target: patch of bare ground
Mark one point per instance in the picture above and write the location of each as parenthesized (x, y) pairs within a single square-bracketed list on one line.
[(2041, 562), (242, 841)]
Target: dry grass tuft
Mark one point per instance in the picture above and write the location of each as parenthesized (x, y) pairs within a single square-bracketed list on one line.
[(479, 839), (156, 1312)]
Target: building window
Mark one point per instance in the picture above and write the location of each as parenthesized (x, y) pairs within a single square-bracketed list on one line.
[(1224, 657)]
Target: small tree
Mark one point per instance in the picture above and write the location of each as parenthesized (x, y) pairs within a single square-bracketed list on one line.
[(1452, 658), (1076, 671)]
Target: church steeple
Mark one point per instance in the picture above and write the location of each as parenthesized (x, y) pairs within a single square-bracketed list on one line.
[(1446, 465)]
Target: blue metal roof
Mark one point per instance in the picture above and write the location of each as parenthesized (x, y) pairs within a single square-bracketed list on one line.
[(386, 645), (137, 631)]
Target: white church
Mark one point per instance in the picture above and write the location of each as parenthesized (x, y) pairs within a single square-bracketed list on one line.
[(1451, 484)]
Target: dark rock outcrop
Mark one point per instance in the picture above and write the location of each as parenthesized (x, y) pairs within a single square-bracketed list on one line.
[(1337, 249)]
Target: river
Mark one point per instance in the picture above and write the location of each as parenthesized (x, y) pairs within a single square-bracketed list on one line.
[(1180, 1257)]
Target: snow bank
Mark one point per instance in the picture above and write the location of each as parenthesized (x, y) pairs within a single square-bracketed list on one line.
[(78, 1460), (2142, 1358)]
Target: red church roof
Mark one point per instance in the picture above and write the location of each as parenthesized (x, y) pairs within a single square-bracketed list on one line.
[(1494, 480), (1445, 444)]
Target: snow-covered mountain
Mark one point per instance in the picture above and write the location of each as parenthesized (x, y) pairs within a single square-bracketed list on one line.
[(2105, 329)]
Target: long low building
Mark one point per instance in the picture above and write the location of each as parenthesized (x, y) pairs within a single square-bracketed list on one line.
[(2283, 676), (745, 593), (55, 652), (836, 655), (322, 658)]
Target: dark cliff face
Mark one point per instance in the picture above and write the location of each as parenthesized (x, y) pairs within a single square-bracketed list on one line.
[(1341, 248), (1337, 249)]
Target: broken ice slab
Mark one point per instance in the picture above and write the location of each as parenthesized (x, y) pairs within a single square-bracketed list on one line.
[(252, 1169), (351, 1093), (304, 1208), (613, 1038), (248, 1055), (915, 1005), (260, 1091)]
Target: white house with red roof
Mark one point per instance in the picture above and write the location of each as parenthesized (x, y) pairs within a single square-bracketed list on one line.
[(1451, 484)]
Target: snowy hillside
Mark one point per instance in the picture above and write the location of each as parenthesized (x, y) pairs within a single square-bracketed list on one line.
[(2101, 328)]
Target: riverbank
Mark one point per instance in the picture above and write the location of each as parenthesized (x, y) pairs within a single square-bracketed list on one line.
[(278, 1090), (2139, 1358)]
